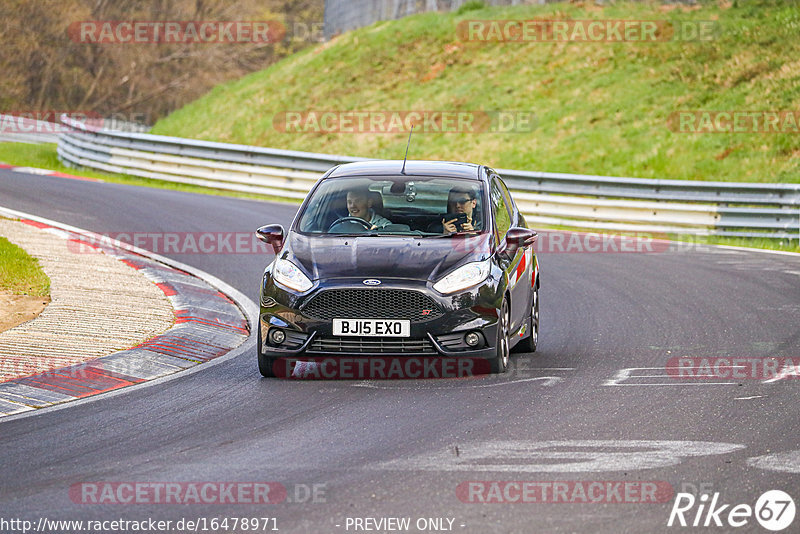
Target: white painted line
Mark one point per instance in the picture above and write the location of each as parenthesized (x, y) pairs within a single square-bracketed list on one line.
[(748, 249), (549, 381), (567, 456), (786, 372), (463, 384), (33, 170), (544, 368), (625, 374), (785, 462), (467, 381)]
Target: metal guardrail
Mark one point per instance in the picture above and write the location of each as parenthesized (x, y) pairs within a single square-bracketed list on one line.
[(580, 201), (24, 128), (19, 129)]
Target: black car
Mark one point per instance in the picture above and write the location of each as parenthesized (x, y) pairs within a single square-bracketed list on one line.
[(421, 261)]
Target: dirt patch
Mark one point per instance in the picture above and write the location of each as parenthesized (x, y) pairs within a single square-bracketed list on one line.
[(17, 309), (434, 73)]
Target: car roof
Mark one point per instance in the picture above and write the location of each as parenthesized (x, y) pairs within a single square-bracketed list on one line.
[(447, 169)]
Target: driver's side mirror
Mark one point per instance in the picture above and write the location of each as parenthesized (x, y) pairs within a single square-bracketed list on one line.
[(517, 238), (272, 234)]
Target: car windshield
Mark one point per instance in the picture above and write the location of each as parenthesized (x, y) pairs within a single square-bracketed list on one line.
[(402, 205)]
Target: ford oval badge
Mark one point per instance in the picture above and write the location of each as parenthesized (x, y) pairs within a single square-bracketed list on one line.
[(372, 282)]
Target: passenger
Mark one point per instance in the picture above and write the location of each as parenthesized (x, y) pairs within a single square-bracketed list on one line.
[(360, 205), (461, 200)]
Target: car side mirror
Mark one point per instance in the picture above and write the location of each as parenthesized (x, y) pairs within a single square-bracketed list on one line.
[(517, 238), (272, 234)]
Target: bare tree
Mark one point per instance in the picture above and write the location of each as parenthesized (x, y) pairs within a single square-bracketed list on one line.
[(46, 68)]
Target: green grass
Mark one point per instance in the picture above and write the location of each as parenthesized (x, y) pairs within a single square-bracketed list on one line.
[(44, 156), (786, 245), (20, 273), (601, 108)]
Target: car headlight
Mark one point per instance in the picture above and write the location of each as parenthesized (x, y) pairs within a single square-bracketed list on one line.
[(288, 274), (465, 276)]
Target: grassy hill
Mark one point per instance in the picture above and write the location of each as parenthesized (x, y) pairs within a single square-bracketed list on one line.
[(601, 107)]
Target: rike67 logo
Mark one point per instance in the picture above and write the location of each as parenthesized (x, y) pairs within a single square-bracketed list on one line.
[(774, 510)]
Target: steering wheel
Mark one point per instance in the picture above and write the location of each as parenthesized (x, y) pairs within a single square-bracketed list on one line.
[(359, 220)]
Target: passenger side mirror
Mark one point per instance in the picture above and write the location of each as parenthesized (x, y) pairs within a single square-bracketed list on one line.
[(272, 234), (516, 238)]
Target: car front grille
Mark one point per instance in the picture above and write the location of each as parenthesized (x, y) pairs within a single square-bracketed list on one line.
[(372, 304), (361, 345)]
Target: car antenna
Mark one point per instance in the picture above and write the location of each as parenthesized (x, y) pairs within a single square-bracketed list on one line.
[(403, 170)]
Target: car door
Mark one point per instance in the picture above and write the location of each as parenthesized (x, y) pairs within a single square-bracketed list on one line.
[(517, 268), (524, 267)]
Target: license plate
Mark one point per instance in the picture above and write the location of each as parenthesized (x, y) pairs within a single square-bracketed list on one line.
[(372, 327)]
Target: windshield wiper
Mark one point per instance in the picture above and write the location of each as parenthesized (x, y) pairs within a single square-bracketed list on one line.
[(375, 233), (456, 234), (406, 233), (413, 233), (355, 234)]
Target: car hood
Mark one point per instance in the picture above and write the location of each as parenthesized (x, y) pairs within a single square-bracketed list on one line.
[(387, 257)]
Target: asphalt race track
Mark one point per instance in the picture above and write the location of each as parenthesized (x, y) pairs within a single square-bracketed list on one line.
[(595, 403)]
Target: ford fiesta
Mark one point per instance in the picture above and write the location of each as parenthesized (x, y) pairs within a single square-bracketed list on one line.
[(387, 260)]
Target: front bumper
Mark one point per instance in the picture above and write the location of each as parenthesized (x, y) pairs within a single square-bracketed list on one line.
[(474, 309)]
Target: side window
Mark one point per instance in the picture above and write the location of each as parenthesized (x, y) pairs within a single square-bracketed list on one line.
[(512, 208), (500, 211)]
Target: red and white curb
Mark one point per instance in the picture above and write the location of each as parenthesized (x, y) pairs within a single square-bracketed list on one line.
[(211, 319), (45, 172)]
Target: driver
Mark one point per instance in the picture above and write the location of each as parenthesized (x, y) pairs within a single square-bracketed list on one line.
[(360, 205), (461, 200)]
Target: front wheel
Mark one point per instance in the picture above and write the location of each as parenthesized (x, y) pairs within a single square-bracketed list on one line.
[(529, 343), (499, 364), (266, 364)]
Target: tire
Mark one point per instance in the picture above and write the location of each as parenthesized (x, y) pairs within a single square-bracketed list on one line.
[(266, 364), (499, 363), (529, 343)]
